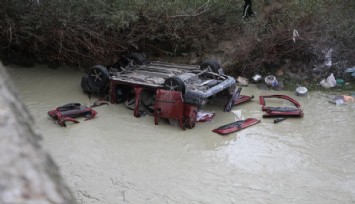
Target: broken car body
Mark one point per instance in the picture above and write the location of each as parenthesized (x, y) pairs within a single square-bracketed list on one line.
[(175, 92), (166, 90), (70, 111), (283, 111)]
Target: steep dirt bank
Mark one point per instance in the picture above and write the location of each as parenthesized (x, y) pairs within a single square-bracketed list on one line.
[(296, 39)]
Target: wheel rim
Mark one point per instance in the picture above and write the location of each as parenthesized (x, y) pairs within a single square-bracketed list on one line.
[(172, 86), (97, 75)]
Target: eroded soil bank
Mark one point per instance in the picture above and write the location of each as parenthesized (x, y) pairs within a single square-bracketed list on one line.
[(307, 40)]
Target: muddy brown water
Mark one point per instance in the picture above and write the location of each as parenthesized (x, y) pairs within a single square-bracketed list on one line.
[(117, 158)]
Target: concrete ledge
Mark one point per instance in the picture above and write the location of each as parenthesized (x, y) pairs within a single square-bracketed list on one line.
[(27, 172)]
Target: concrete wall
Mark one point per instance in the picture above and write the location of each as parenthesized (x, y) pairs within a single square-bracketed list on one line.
[(27, 173)]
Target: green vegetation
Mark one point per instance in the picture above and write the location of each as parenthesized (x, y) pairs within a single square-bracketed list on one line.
[(82, 33)]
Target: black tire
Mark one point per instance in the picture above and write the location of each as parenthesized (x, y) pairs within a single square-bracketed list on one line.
[(212, 64), (137, 58), (98, 78), (174, 84), (94, 88), (84, 83)]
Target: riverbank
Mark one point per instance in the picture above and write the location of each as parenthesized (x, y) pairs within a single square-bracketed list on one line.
[(296, 37)]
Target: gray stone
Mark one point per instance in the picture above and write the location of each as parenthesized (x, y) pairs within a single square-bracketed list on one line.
[(27, 172)]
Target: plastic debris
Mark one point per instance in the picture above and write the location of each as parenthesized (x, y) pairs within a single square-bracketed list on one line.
[(351, 70), (349, 99), (328, 58), (242, 81), (301, 91), (342, 99), (294, 35), (340, 82), (203, 116), (256, 78), (329, 82), (271, 80)]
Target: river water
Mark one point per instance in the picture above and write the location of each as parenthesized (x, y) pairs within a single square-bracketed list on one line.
[(117, 158)]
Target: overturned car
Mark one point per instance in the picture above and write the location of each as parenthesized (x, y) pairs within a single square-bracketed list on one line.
[(166, 90)]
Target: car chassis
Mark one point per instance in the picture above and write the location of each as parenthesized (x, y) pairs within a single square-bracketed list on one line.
[(178, 90)]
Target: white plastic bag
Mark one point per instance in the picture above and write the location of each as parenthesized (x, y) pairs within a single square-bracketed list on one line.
[(329, 82)]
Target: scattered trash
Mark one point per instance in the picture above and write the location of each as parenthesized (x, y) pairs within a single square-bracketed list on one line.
[(348, 99), (337, 101), (235, 126), (277, 120), (203, 116), (242, 81), (271, 80), (256, 78), (351, 70), (342, 100), (301, 91), (329, 82), (328, 58), (238, 114), (340, 82), (294, 35)]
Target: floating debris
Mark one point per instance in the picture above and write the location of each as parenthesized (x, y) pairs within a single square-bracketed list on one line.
[(271, 80), (301, 91), (329, 82), (277, 120)]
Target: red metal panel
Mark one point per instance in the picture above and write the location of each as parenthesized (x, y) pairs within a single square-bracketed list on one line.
[(280, 111), (169, 104), (190, 115)]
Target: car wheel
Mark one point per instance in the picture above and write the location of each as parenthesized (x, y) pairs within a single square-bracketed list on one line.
[(84, 83), (94, 88), (136, 58), (98, 78), (212, 64), (174, 84)]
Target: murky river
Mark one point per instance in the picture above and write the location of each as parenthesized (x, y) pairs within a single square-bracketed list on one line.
[(117, 158)]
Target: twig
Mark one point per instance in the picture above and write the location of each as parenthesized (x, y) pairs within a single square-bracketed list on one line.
[(205, 5)]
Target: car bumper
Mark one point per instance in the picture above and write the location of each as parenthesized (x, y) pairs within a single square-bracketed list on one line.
[(199, 97)]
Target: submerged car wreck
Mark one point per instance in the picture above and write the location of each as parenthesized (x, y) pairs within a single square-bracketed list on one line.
[(165, 90), (176, 92)]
